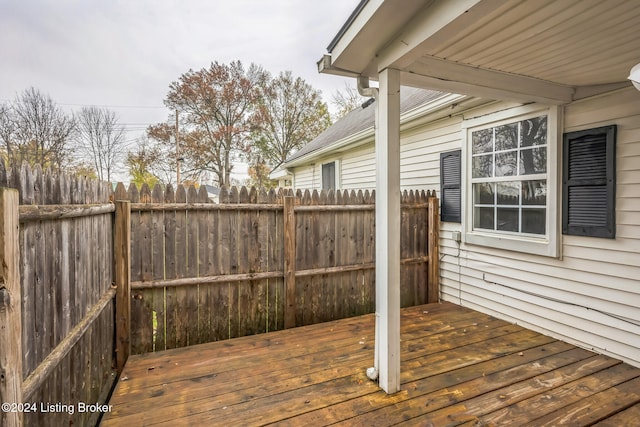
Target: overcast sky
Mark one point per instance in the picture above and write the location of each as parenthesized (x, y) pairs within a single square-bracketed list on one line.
[(125, 53)]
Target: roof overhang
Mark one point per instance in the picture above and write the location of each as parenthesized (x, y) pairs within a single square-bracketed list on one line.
[(280, 173), (527, 51)]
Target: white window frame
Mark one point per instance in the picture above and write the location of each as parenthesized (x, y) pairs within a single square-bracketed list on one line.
[(547, 244)]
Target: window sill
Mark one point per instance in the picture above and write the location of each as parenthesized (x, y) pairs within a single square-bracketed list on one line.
[(530, 245)]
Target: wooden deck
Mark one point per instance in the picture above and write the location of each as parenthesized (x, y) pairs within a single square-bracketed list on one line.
[(459, 367)]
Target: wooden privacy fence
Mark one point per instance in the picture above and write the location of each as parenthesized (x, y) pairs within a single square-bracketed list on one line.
[(256, 261), (185, 270), (56, 296)]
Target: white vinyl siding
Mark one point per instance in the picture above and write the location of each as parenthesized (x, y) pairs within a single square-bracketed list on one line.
[(591, 296), (358, 169), (303, 177), (419, 157)]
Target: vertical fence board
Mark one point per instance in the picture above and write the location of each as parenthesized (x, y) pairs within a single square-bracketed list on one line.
[(203, 268), (27, 267), (170, 271), (313, 292), (41, 309), (122, 245), (213, 269), (434, 251), (223, 249), (276, 259), (290, 262), (247, 304), (369, 254), (10, 307), (158, 259), (182, 317), (191, 267), (359, 255), (143, 301), (265, 244), (234, 312)]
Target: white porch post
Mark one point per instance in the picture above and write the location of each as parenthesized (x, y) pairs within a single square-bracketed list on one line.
[(387, 349)]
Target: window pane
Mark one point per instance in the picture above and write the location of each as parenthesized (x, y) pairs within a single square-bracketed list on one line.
[(534, 192), (508, 193), (482, 141), (507, 219), (506, 163), (533, 161), (534, 131), (483, 218), (329, 176), (533, 220), (483, 194), (507, 137), (483, 166)]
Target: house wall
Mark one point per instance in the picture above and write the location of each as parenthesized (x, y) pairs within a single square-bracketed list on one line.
[(590, 296)]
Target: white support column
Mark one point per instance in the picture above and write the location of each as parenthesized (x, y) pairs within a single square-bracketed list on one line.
[(387, 351)]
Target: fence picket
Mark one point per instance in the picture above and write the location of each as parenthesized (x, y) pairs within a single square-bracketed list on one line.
[(170, 271), (204, 263), (157, 270)]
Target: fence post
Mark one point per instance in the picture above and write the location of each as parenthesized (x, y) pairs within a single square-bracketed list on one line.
[(289, 262), (122, 248), (433, 274), (10, 308)]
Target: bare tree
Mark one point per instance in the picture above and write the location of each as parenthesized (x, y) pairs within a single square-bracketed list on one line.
[(346, 100), (34, 129), (102, 141)]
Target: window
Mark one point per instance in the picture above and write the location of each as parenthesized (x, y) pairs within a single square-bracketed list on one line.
[(450, 177), (511, 178), (588, 188), (329, 176)]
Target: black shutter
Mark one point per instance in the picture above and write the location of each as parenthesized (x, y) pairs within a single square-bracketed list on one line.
[(450, 177), (589, 183)]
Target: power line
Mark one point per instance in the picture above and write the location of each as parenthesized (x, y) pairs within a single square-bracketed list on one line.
[(116, 106), (101, 105)]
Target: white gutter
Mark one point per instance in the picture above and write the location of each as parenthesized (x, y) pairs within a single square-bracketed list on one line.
[(365, 90)]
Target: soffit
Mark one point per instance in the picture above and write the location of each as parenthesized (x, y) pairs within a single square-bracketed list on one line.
[(503, 49)]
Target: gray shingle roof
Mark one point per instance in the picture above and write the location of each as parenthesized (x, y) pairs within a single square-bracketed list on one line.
[(363, 118)]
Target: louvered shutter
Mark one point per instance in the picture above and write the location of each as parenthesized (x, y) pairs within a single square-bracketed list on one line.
[(450, 176), (588, 204)]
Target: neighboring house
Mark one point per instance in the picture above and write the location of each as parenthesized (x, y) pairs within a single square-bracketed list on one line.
[(538, 166), (343, 156), (212, 192)]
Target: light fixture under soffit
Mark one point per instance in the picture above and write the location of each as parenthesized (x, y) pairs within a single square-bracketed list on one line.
[(634, 76)]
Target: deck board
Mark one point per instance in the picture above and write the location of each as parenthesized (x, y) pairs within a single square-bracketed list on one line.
[(459, 367)]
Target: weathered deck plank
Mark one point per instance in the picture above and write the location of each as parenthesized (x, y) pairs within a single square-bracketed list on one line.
[(459, 367)]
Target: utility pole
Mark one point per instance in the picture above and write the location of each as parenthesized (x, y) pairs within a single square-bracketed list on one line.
[(177, 151)]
